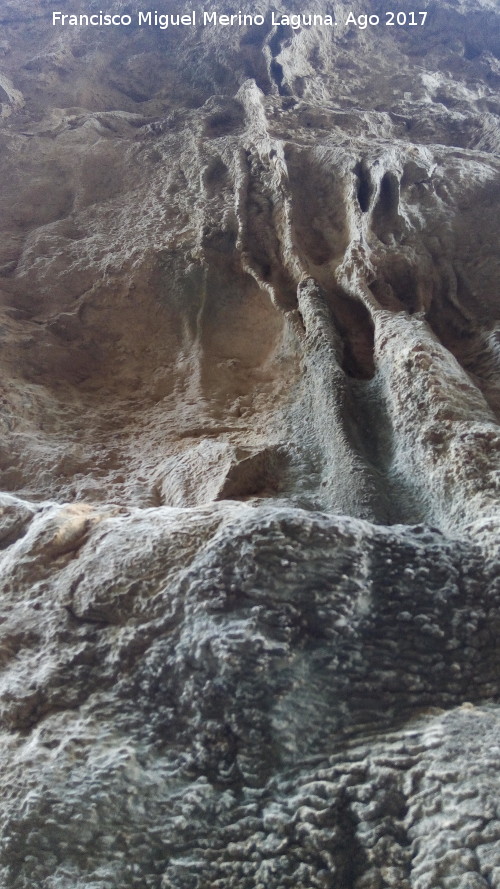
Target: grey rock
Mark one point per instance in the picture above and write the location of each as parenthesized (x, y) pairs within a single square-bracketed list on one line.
[(250, 453)]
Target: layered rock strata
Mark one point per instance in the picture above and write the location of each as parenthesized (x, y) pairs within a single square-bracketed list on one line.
[(250, 451)]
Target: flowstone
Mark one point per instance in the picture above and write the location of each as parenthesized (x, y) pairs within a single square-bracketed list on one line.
[(250, 451)]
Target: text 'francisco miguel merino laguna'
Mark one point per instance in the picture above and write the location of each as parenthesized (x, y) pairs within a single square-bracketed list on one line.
[(166, 20)]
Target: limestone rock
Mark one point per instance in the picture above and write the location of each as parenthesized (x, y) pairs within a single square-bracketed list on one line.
[(250, 451)]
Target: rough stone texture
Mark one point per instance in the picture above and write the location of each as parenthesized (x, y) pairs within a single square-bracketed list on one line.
[(250, 453)]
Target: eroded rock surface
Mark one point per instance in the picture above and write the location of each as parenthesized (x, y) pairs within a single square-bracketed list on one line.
[(250, 453)]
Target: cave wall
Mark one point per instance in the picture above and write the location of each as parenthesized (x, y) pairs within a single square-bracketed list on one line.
[(250, 452)]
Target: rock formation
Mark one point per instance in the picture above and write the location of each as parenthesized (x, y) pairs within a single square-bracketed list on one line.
[(250, 450)]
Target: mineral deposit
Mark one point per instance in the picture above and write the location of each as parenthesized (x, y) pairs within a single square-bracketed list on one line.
[(250, 447)]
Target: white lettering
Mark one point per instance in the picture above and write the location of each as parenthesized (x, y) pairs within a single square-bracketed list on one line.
[(305, 20)]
